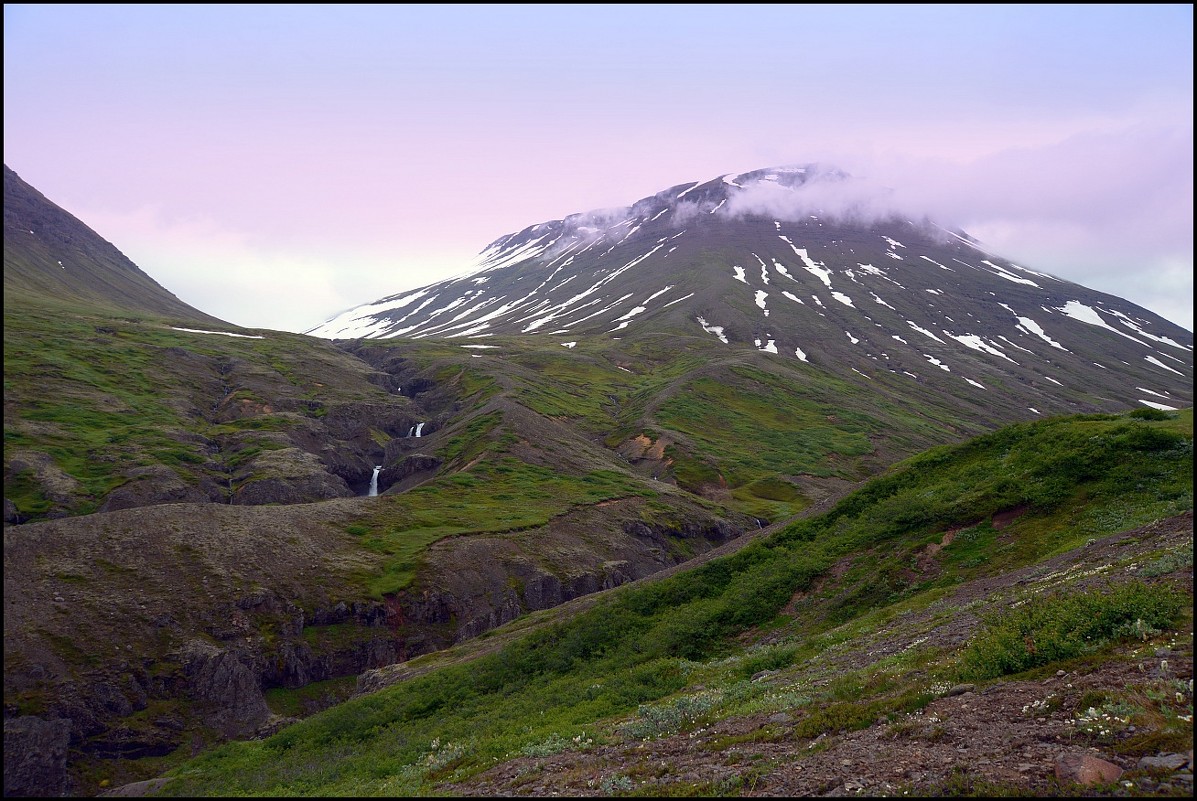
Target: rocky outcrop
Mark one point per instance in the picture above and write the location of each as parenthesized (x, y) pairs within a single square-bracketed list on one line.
[(35, 757), (288, 475), (136, 789), (346, 421), (303, 489), (226, 688), (341, 640), (204, 618), (405, 472), (470, 585), (152, 485)]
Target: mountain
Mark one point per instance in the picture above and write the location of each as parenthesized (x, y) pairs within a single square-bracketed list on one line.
[(193, 551), (756, 260), (50, 253)]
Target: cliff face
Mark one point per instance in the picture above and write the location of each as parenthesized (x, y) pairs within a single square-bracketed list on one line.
[(130, 633)]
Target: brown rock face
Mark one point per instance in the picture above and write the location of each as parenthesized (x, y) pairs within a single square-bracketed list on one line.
[(1086, 769)]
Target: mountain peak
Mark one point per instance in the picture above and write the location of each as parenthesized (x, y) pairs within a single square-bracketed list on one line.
[(799, 262)]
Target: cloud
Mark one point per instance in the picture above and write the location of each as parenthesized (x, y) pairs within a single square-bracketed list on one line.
[(218, 270), (1110, 209), (825, 192)]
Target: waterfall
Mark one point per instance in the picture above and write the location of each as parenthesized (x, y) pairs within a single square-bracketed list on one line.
[(418, 427), (374, 482), (411, 431)]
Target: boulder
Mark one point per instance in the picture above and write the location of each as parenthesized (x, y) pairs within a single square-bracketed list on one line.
[(1086, 769)]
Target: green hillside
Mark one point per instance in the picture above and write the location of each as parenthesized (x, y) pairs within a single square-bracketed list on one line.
[(750, 634)]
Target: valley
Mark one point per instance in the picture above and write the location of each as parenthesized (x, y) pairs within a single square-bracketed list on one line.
[(657, 538)]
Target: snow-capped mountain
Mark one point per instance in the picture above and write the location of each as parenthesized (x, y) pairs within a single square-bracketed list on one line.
[(782, 261)]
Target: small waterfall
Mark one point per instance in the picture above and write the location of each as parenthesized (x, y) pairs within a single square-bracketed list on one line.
[(411, 432), (374, 482), (418, 428)]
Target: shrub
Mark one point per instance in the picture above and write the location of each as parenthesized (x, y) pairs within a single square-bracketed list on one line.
[(656, 720), (1147, 413), (1050, 628)]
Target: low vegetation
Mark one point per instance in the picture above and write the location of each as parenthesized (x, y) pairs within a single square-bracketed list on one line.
[(681, 653)]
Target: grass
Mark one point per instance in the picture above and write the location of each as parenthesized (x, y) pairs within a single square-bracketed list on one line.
[(96, 396), (670, 655), (479, 500)]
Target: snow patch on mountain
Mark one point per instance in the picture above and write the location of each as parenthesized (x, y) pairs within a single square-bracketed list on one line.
[(842, 298), (1158, 363), (717, 330), (1087, 314), (221, 333)]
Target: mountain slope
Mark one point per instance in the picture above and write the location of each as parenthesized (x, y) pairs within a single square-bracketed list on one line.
[(755, 260), (195, 556), (50, 253), (1042, 550)]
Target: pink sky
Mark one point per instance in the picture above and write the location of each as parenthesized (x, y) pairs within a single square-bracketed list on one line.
[(276, 165)]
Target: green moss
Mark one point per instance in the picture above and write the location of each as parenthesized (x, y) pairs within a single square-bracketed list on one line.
[(310, 698)]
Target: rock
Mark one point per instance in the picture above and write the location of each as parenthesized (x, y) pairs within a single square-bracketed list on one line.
[(306, 489), (402, 467), (35, 756), (273, 726), (136, 788), (147, 486), (1164, 762), (11, 513), (781, 717), (228, 691), (287, 475), (1086, 769), (961, 689)]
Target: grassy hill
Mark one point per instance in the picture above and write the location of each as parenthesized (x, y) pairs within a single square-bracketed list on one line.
[(192, 555), (1070, 537)]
